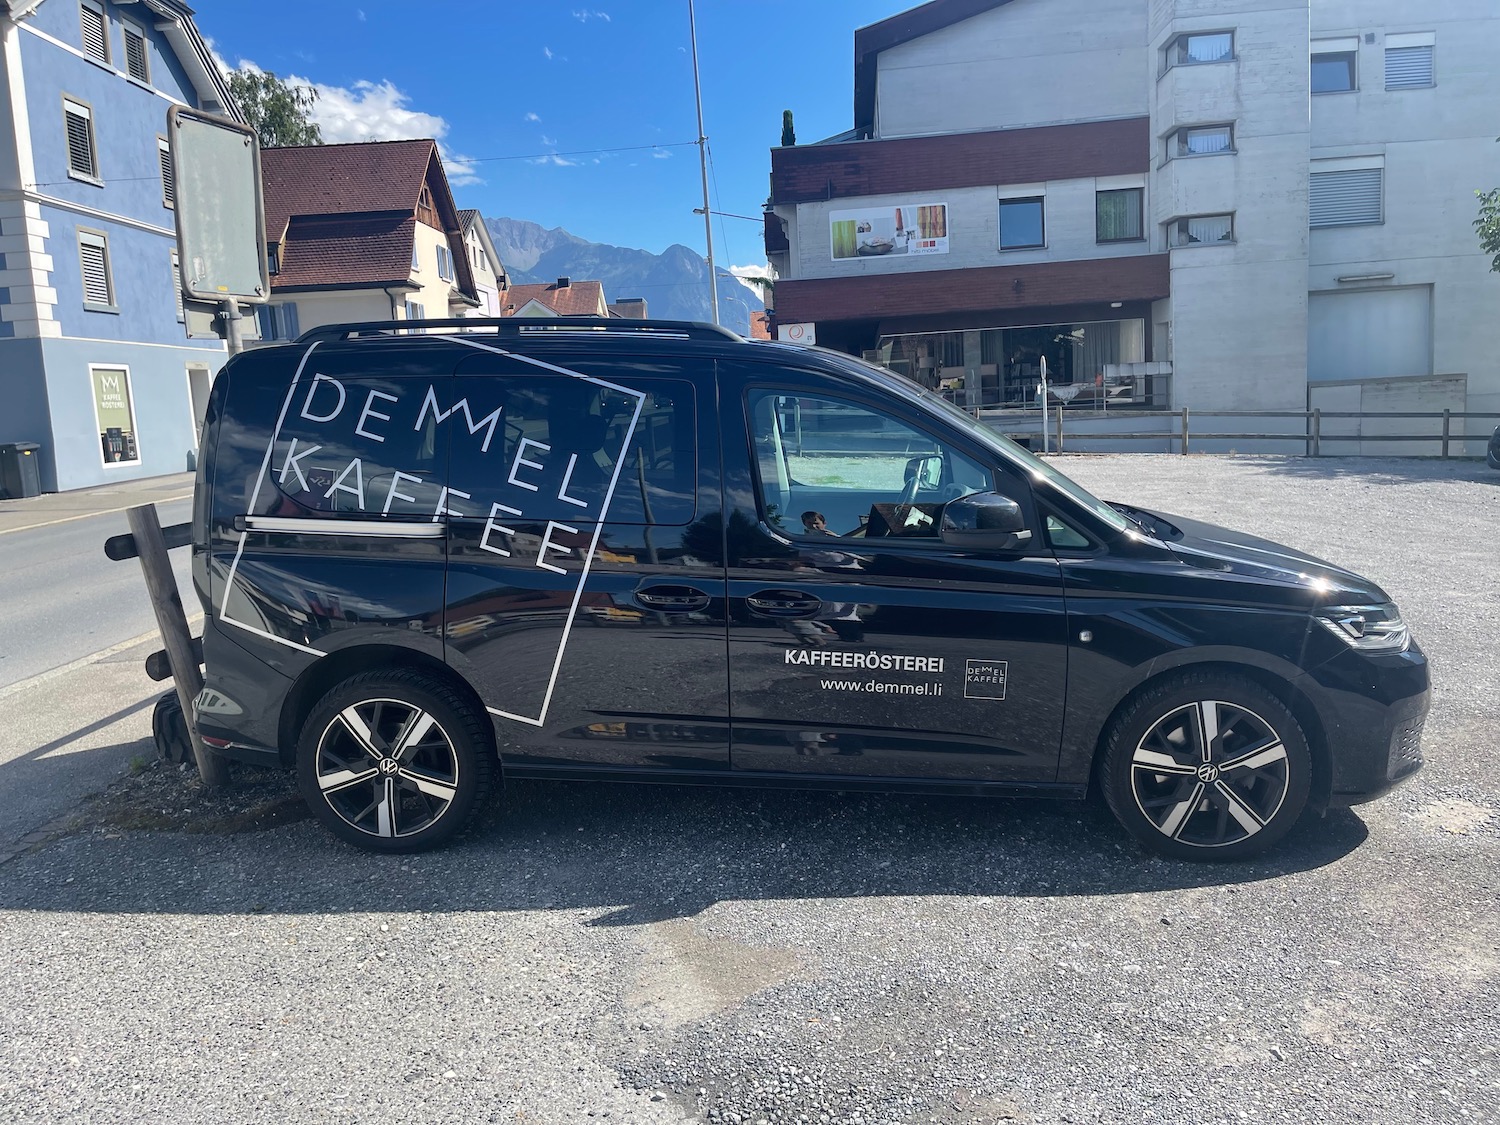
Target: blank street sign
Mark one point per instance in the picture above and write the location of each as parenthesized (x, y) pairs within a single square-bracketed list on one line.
[(221, 225)]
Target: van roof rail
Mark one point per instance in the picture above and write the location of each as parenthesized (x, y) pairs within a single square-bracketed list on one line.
[(512, 327)]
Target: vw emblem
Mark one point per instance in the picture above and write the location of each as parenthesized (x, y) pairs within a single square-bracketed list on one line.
[(389, 766), (1208, 773)]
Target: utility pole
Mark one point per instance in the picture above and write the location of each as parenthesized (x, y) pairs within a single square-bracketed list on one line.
[(708, 222)]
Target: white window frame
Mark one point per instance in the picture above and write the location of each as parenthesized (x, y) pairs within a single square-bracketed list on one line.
[(416, 258), (445, 263), (415, 310), (1410, 41), (1349, 164), (97, 9), (1345, 46), (100, 239), (135, 429), (1177, 140), (127, 29), (1177, 228), (76, 107), (1177, 42)]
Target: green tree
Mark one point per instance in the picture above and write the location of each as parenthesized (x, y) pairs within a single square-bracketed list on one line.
[(788, 135), (278, 111), (1488, 225)]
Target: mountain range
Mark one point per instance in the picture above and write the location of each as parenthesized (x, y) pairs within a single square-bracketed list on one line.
[(674, 283)]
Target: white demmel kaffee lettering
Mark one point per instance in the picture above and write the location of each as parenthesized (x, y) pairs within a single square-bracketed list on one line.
[(292, 463), (548, 545), (358, 489), (312, 390), (562, 493), (442, 504), (515, 466), (370, 412), (490, 525), (487, 423), (394, 495)]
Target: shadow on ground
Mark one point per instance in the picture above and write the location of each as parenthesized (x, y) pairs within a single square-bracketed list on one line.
[(1380, 470), (641, 854)]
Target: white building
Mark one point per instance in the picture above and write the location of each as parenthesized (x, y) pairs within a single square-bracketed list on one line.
[(1270, 199)]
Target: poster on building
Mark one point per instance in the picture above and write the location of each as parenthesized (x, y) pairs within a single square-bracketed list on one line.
[(903, 228)]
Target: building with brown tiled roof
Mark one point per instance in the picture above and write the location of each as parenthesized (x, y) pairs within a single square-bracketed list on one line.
[(490, 279), (564, 297), (363, 232)]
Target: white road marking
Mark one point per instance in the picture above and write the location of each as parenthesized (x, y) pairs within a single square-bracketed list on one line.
[(91, 515), (83, 661)]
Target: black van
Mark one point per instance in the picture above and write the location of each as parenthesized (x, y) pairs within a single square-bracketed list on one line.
[(432, 555)]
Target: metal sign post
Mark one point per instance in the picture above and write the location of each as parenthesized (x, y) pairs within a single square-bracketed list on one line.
[(1046, 413), (221, 223)]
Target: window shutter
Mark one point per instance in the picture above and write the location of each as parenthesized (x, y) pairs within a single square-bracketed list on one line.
[(80, 140), (177, 286), (1408, 68), (135, 56), (289, 320), (168, 175), (95, 36), (1345, 198), (95, 261)]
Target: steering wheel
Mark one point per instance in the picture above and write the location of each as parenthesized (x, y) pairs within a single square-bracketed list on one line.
[(909, 491)]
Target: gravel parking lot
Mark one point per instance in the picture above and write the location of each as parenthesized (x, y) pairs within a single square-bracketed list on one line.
[(668, 955)]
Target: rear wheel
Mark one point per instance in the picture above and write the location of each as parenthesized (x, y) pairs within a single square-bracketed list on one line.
[(395, 761), (1207, 766)]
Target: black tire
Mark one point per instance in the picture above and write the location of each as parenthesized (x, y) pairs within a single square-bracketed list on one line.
[(1237, 799), (443, 752)]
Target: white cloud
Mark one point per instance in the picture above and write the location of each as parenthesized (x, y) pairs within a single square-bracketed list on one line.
[(360, 12), (550, 142), (662, 154), (555, 160), (742, 272), (547, 51), (531, 117), (585, 15)]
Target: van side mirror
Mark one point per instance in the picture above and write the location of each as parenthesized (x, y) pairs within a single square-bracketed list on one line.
[(984, 521)]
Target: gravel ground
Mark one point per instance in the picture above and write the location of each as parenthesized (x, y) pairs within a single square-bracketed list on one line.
[(660, 955)]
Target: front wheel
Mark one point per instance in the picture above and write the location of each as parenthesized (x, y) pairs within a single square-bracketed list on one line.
[(1207, 766), (394, 761)]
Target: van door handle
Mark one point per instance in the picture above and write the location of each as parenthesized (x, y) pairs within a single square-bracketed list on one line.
[(783, 603), (674, 599)]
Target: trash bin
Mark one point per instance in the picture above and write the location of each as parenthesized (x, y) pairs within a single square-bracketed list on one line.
[(20, 470)]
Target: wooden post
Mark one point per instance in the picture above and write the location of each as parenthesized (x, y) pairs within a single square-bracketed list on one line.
[(161, 584), (1059, 427), (1447, 431), (1184, 431)]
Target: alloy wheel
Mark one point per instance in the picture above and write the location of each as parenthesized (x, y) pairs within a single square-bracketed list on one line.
[(386, 768), (1209, 774)]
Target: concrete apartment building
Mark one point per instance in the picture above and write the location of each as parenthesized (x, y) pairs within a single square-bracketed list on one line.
[(95, 364), (1267, 202)]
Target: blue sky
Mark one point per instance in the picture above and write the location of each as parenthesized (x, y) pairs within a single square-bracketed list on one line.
[(548, 111)]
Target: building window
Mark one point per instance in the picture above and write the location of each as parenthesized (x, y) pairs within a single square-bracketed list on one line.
[(278, 322), (445, 263), (416, 260), (1201, 47), (273, 260), (480, 259), (1022, 226), (83, 160), (115, 412), (1345, 197), (414, 311), (1201, 140), (95, 31), (1335, 66), (1118, 215), (425, 210), (168, 173), (1201, 230), (98, 285), (177, 285), (1408, 61), (137, 60)]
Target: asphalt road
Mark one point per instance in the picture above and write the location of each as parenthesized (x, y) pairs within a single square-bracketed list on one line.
[(63, 600), (628, 955)]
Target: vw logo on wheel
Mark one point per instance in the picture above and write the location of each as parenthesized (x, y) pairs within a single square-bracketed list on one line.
[(389, 766), (1208, 773)]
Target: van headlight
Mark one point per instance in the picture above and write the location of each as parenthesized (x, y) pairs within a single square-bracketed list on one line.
[(1369, 628)]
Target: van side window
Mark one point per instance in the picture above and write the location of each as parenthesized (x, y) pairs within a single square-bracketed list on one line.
[(860, 471), (560, 440), (350, 445)]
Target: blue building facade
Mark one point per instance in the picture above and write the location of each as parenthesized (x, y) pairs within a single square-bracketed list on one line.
[(95, 364)]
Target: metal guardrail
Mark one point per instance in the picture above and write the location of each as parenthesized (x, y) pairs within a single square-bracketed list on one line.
[(1311, 434)]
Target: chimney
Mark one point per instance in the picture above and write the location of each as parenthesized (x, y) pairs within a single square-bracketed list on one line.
[(564, 282)]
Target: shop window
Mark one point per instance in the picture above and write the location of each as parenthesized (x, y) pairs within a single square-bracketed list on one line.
[(115, 412)]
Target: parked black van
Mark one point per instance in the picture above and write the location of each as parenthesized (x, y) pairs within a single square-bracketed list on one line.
[(434, 555)]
